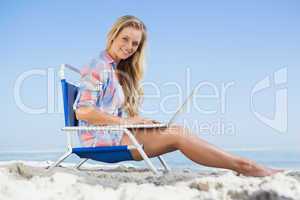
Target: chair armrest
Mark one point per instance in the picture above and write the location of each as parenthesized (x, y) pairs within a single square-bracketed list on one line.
[(92, 128)]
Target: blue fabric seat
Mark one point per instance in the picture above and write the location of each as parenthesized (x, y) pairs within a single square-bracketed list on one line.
[(104, 154)]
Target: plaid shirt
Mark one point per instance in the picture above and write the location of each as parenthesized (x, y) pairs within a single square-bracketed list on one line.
[(100, 88)]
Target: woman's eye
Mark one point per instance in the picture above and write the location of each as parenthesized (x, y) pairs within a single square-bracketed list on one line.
[(135, 44), (125, 39)]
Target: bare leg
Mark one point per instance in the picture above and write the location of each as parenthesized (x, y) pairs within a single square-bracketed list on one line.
[(160, 141)]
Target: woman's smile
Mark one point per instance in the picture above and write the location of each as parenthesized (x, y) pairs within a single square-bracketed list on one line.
[(126, 53)]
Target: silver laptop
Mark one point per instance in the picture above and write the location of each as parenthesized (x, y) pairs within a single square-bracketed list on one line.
[(162, 125)]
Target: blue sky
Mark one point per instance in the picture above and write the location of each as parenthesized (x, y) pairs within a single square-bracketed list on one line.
[(219, 41)]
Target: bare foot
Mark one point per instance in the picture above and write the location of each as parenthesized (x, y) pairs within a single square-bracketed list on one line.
[(250, 168)]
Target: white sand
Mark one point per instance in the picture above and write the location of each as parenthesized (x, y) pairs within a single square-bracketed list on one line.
[(30, 180)]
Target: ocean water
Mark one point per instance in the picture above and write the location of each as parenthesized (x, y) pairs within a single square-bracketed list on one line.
[(278, 159)]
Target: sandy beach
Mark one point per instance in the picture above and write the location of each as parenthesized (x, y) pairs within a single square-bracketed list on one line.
[(30, 180)]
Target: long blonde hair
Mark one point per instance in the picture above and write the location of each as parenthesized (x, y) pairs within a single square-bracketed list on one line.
[(131, 70)]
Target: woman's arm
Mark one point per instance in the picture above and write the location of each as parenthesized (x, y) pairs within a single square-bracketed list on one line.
[(96, 117)]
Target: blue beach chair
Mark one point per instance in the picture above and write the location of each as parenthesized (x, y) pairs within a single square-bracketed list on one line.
[(107, 154)]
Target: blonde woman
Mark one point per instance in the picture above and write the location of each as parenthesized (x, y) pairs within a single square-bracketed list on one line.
[(110, 87)]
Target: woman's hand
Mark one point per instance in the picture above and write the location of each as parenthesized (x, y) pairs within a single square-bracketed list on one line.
[(140, 120)]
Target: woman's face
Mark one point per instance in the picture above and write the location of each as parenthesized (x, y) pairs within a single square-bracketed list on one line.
[(125, 44)]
